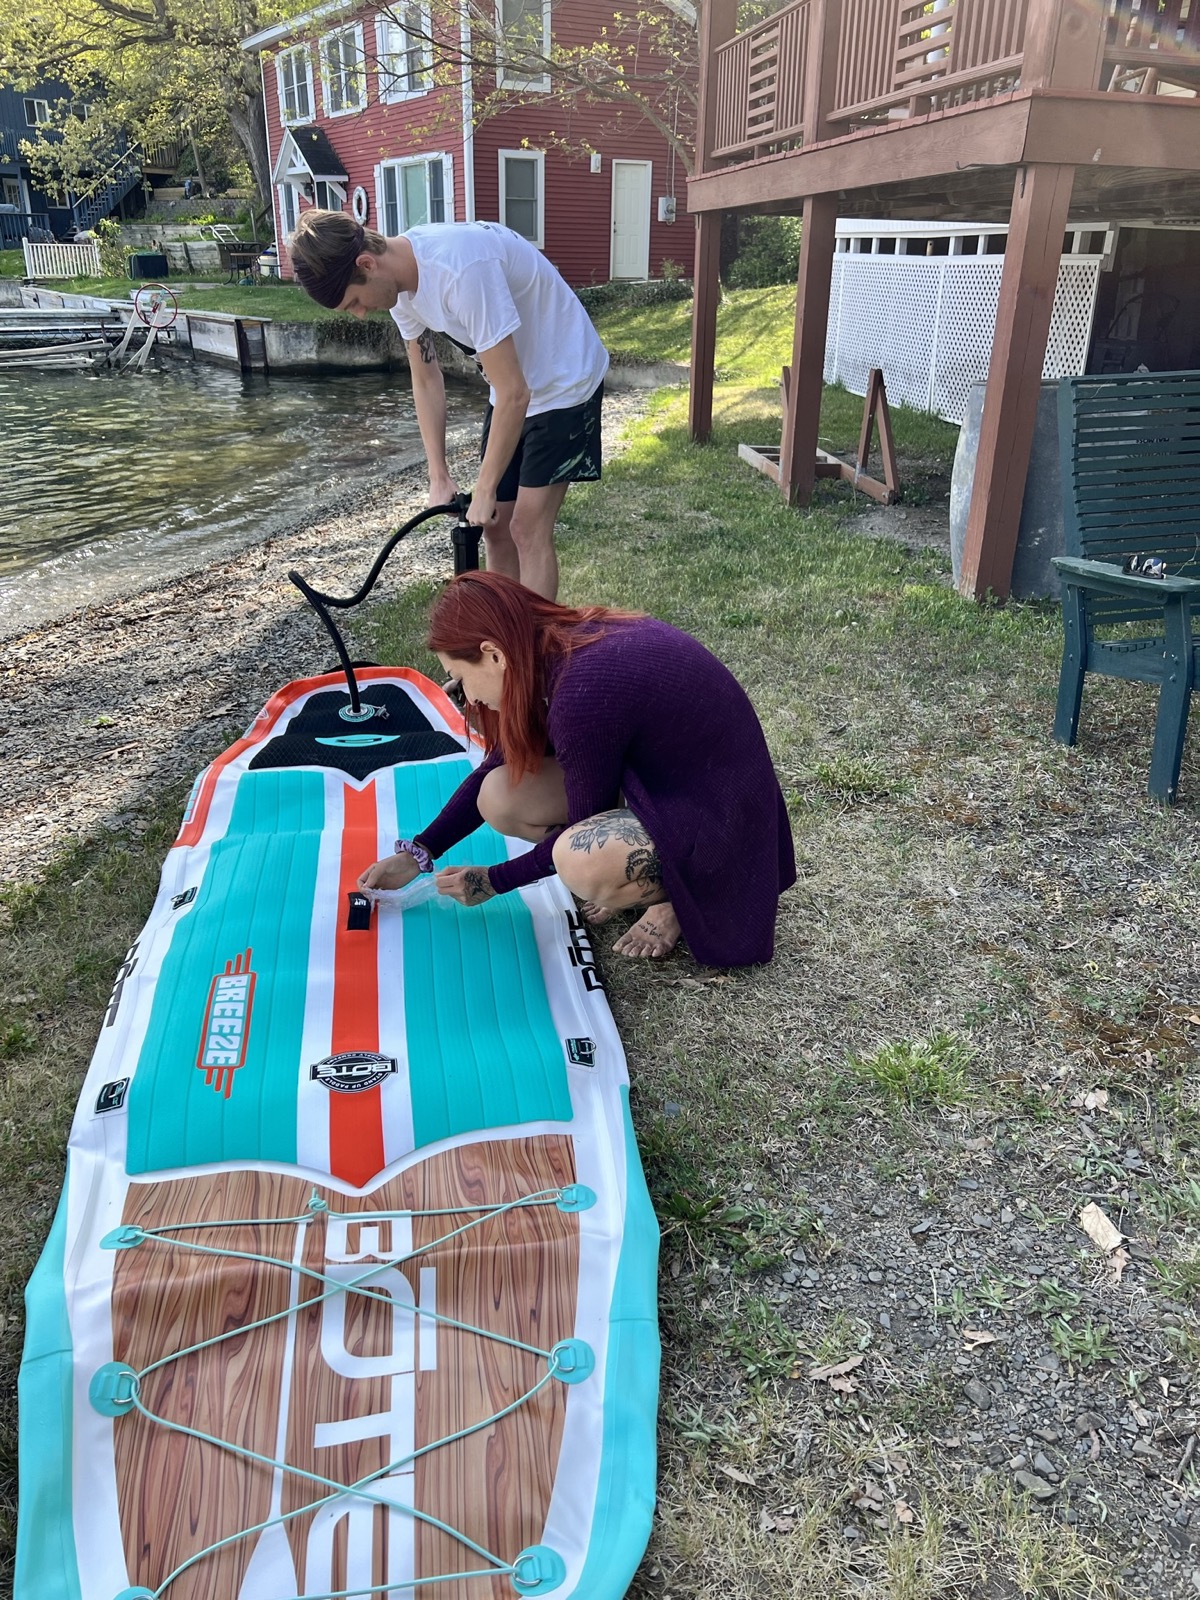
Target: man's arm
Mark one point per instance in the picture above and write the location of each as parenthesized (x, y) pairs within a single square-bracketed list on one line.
[(429, 396), (502, 368)]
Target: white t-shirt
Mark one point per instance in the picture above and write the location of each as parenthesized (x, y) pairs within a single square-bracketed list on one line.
[(478, 282)]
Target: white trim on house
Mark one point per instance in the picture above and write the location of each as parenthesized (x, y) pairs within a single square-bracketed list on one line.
[(539, 84), (468, 112), (536, 159), (292, 166), (288, 195), (334, 196), (291, 56), (350, 76), (412, 50), (282, 30), (391, 209), (41, 111)]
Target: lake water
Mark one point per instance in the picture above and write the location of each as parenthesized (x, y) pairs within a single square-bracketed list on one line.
[(114, 477)]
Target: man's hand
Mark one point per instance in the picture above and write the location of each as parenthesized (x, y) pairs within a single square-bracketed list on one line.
[(482, 509), (393, 872), (442, 488), (470, 886)]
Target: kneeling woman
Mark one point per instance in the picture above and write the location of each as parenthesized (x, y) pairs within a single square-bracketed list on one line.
[(629, 757)]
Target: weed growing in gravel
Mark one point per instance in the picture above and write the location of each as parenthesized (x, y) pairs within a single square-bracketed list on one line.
[(1180, 1279), (930, 1071), (759, 1340), (1081, 1346)]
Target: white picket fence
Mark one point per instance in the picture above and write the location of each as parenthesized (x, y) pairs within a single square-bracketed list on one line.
[(62, 260)]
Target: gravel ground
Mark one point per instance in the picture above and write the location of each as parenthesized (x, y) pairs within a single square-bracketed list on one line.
[(115, 700)]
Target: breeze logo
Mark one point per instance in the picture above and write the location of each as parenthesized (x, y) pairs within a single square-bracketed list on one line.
[(579, 948), (227, 1024)]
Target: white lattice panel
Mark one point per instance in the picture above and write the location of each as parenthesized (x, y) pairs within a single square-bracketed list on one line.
[(885, 303), (970, 297), (929, 323)]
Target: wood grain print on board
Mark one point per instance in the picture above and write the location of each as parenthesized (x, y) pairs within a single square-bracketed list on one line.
[(369, 1380)]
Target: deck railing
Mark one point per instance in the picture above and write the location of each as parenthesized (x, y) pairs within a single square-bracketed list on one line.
[(760, 82), (904, 58), (17, 225)]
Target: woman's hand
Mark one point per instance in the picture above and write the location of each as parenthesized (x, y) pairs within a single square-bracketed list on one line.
[(470, 886), (393, 872)]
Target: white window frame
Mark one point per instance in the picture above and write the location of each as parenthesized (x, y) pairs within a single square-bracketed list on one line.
[(41, 112), (512, 80), (390, 32), (355, 32), (309, 88), (284, 190), (11, 190), (538, 159), (424, 160)]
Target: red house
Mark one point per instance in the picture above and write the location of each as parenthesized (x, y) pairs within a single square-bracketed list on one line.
[(416, 114)]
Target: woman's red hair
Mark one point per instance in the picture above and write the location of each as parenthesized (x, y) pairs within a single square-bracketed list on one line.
[(530, 631)]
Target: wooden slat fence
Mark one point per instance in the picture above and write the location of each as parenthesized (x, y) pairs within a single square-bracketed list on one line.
[(62, 260)]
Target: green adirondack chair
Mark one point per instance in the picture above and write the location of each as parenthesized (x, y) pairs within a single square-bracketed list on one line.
[(1130, 449)]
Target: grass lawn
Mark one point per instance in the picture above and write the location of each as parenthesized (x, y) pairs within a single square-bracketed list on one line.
[(12, 263), (894, 1365)]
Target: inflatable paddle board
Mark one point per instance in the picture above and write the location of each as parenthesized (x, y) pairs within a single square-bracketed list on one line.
[(351, 1289)]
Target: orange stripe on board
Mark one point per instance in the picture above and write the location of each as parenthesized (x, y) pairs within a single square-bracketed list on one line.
[(356, 1120)]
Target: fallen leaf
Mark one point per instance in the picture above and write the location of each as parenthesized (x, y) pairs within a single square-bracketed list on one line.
[(1118, 1261), (843, 1385), (975, 1337), (1096, 1100), (1100, 1229), (820, 1374), (736, 1474), (903, 1512)]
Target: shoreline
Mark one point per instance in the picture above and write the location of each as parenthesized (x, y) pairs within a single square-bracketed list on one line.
[(113, 700)]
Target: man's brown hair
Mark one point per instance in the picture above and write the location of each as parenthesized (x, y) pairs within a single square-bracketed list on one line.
[(325, 249)]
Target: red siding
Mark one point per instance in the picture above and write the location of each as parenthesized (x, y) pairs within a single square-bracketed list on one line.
[(578, 203)]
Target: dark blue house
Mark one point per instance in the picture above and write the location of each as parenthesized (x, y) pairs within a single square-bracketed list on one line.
[(30, 211)]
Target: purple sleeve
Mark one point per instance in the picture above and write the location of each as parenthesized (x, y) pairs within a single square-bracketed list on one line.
[(460, 815), (590, 749)]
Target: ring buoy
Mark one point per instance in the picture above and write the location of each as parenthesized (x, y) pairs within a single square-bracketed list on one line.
[(160, 308), (360, 205)]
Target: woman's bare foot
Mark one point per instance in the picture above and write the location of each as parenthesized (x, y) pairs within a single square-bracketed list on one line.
[(654, 934), (597, 915)]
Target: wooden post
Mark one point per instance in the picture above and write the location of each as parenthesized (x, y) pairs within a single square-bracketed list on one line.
[(802, 409), (718, 24), (1041, 201), (820, 69), (1064, 45), (705, 295)]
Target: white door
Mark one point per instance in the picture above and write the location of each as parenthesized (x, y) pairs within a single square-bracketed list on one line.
[(631, 219)]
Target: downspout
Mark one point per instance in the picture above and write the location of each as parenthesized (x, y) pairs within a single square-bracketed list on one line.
[(468, 112), (270, 194)]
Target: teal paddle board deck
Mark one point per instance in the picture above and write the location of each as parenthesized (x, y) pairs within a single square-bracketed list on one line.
[(351, 1290)]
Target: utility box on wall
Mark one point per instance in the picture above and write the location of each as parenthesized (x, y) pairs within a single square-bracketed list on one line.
[(666, 208)]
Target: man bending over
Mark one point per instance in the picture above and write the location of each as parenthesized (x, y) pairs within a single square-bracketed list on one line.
[(496, 296)]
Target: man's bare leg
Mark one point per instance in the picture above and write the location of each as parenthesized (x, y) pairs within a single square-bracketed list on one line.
[(532, 530), (499, 550)]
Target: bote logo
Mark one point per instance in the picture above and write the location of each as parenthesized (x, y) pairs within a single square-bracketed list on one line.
[(227, 1024)]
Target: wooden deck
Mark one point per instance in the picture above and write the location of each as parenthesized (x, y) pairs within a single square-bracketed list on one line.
[(868, 95), (1040, 113)]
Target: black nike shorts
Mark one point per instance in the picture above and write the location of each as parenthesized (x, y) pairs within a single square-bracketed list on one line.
[(554, 447)]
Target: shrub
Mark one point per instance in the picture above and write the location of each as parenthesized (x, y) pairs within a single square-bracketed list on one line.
[(767, 252), (656, 291)]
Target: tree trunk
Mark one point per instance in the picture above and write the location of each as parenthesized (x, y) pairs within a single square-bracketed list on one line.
[(248, 119)]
